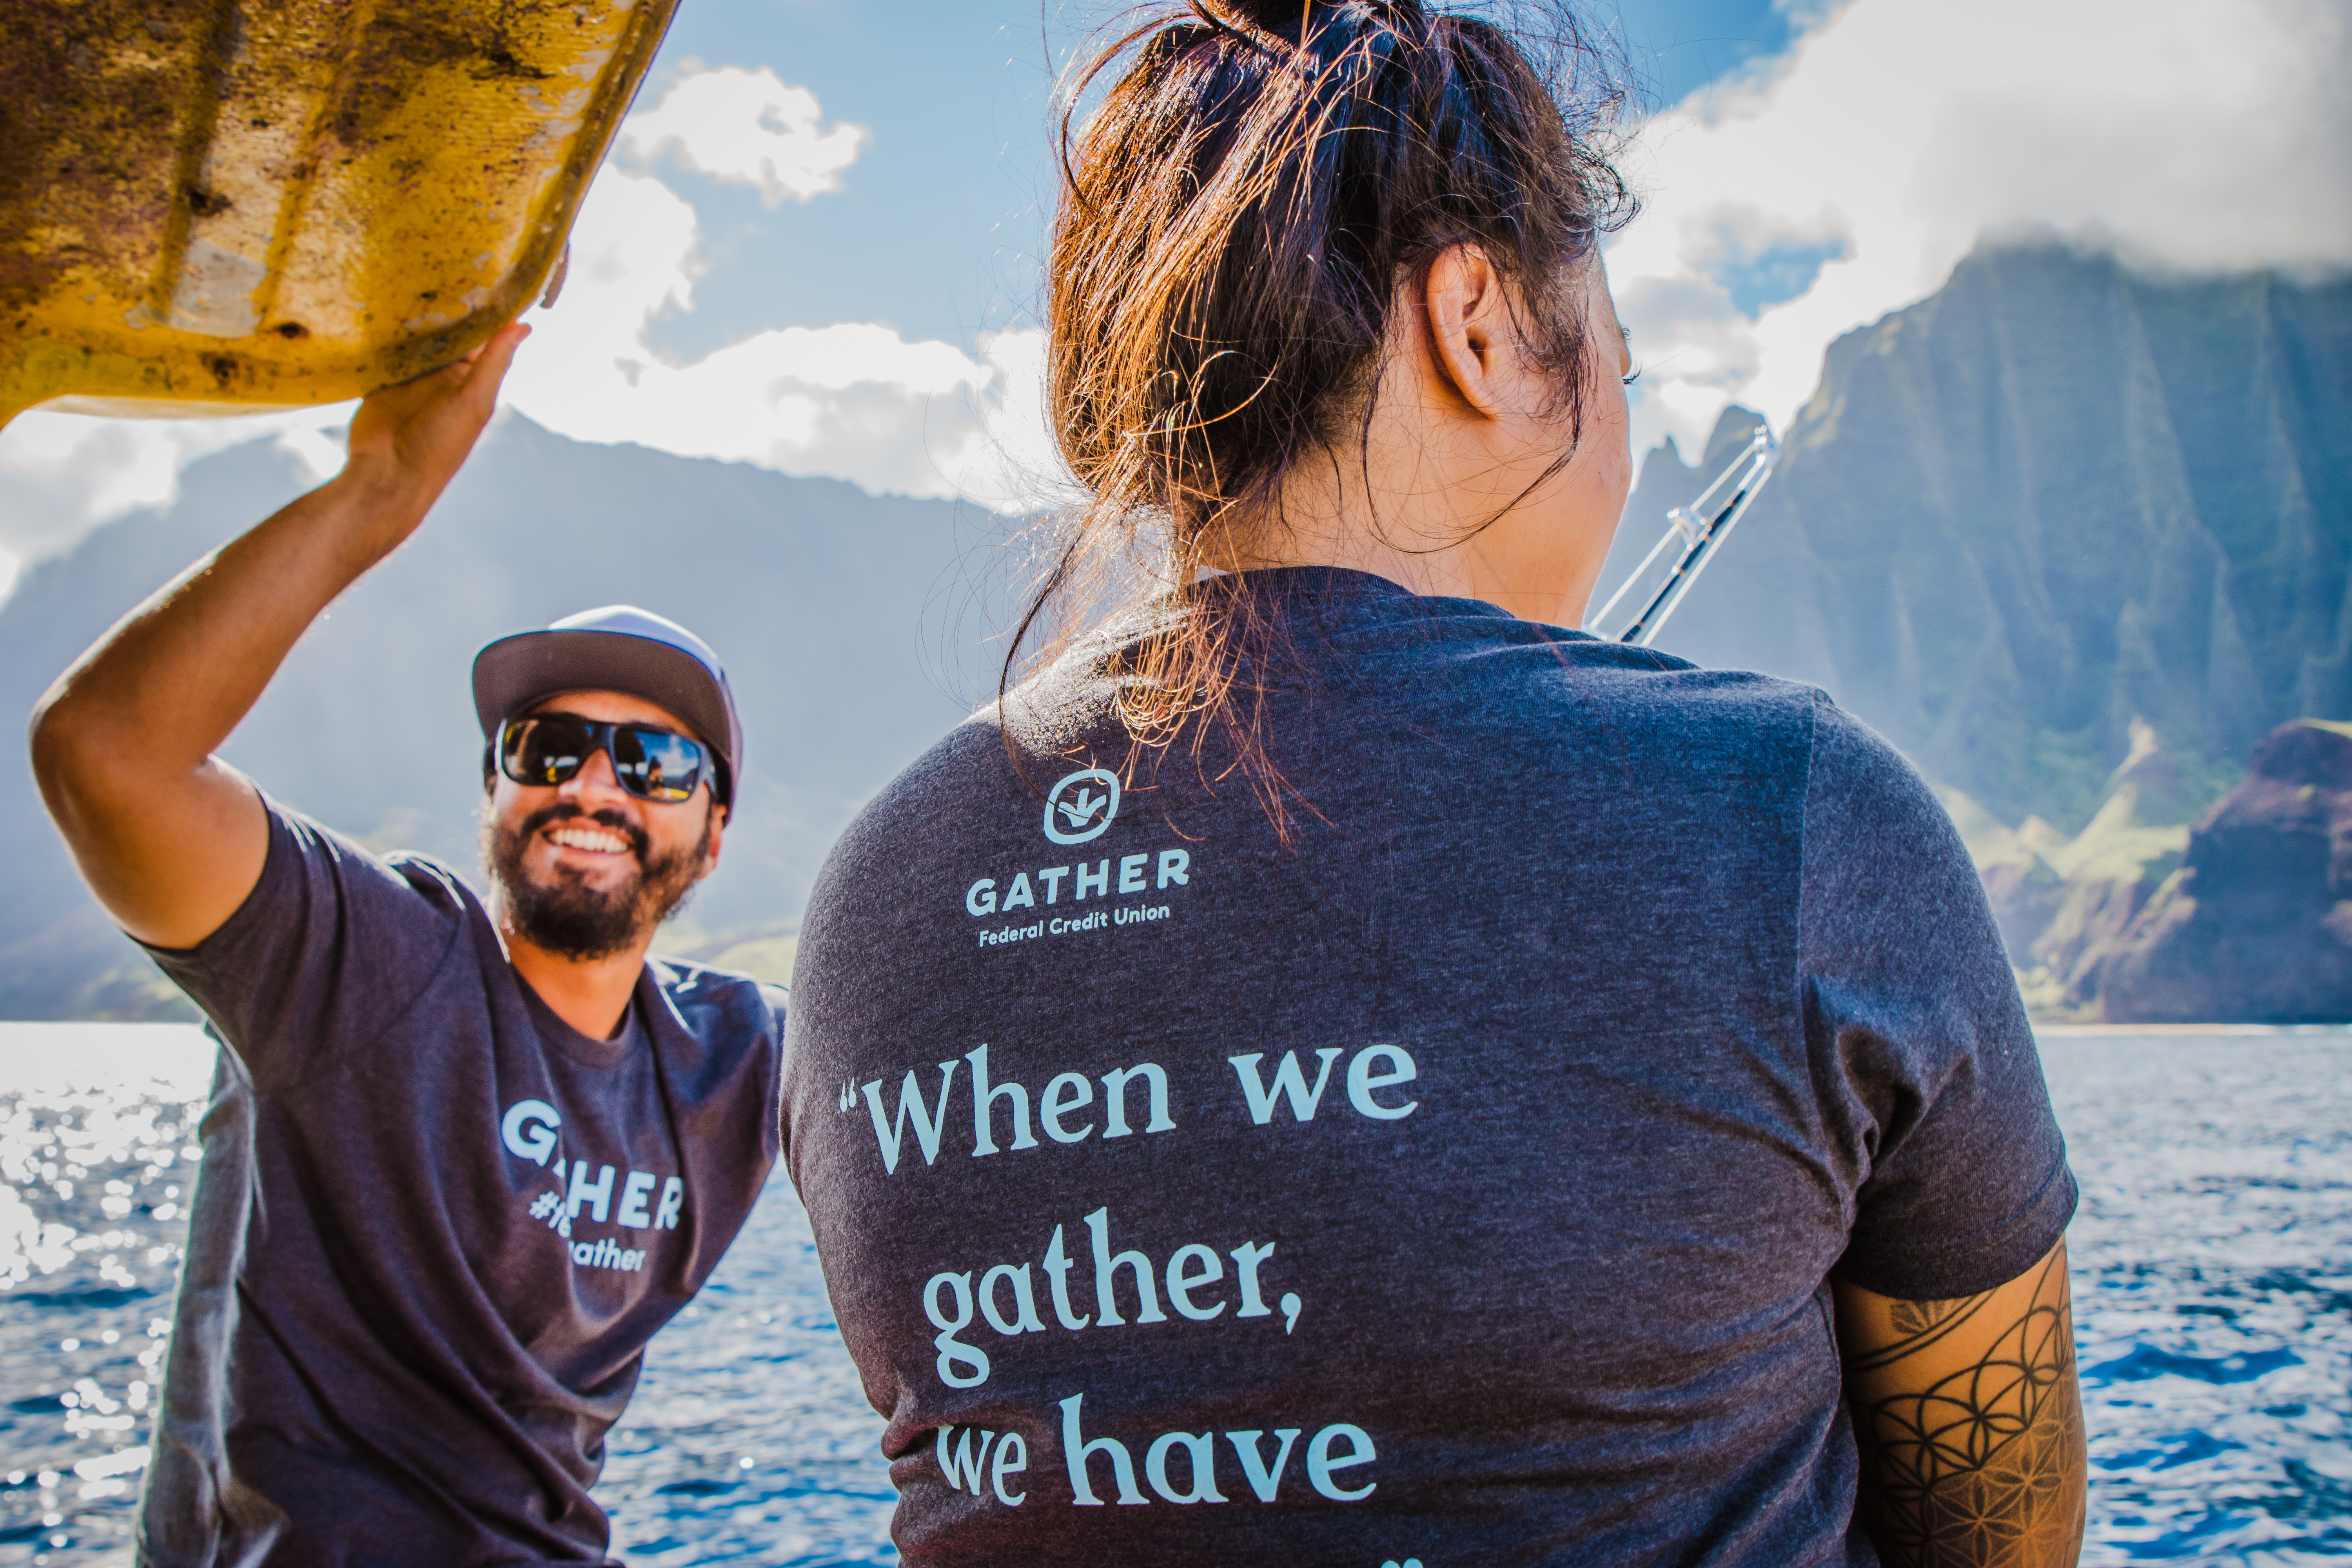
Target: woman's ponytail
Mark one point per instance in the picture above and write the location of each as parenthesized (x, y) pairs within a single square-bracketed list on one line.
[(1237, 221)]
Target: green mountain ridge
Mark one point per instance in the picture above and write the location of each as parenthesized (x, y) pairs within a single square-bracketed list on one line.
[(2055, 499)]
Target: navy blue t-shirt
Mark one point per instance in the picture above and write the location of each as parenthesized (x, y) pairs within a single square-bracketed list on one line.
[(435, 1226), (1457, 1175)]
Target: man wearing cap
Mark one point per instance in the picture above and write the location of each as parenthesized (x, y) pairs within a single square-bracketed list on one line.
[(462, 1160)]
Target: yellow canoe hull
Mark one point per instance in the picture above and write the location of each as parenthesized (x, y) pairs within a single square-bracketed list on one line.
[(216, 206)]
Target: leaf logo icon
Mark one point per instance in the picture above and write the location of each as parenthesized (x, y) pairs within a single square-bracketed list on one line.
[(1081, 807)]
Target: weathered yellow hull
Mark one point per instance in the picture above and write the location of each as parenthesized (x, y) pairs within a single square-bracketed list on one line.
[(212, 207)]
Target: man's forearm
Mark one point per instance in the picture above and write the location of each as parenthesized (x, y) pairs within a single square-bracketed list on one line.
[(1974, 1456), (171, 840), (168, 839)]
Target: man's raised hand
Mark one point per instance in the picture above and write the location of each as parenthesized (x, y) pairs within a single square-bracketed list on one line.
[(407, 441)]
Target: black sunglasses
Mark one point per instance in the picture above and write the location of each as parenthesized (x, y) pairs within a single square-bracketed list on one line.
[(651, 763)]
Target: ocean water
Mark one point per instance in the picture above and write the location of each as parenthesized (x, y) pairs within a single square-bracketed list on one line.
[(2213, 1277)]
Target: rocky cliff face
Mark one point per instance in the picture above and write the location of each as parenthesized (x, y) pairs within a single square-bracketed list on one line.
[(2256, 924), (2055, 498), (2075, 539), (2062, 902)]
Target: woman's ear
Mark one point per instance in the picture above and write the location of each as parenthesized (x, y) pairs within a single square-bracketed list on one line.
[(1469, 330)]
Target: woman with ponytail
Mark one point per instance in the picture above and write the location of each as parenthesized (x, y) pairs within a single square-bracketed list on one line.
[(1336, 1067)]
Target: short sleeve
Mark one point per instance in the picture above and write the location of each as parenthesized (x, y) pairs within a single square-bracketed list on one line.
[(331, 945), (1912, 1011)]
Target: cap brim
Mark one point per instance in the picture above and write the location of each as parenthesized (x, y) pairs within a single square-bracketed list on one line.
[(514, 672)]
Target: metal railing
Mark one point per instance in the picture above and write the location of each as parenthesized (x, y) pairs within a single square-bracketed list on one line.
[(1700, 528)]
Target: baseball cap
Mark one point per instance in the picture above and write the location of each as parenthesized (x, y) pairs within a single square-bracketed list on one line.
[(618, 648)]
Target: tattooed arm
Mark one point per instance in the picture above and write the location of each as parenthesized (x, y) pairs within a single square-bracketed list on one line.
[(1970, 1423)]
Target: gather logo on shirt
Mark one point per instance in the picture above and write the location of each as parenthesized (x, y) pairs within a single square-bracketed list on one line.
[(1080, 814), (529, 1130), (1079, 809)]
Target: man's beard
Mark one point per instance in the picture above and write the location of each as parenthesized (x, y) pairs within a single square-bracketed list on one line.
[(568, 918)]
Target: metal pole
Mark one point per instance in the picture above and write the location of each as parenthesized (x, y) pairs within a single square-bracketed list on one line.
[(1702, 527)]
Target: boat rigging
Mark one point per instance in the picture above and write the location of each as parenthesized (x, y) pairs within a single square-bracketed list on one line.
[(1700, 529)]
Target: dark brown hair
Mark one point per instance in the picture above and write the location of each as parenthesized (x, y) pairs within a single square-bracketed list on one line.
[(1237, 221)]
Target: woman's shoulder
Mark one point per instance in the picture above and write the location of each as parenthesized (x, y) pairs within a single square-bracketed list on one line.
[(1828, 752), (1642, 698), (1863, 796), (1659, 722)]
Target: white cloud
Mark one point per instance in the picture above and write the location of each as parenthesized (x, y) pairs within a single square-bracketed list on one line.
[(61, 474), (851, 401), (747, 128), (2197, 135)]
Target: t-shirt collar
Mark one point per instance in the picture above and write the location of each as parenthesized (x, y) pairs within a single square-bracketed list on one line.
[(585, 1049)]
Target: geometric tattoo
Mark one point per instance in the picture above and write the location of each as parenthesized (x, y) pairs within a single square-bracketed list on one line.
[(1972, 1463)]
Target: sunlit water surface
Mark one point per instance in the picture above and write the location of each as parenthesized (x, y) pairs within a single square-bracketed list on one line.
[(2212, 1277)]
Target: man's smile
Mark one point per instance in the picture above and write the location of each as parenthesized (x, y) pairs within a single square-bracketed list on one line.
[(577, 835)]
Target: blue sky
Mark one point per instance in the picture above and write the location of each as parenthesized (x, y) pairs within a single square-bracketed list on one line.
[(936, 225), (816, 245)]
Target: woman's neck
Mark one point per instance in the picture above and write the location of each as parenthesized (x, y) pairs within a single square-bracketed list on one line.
[(1429, 528), (1468, 478)]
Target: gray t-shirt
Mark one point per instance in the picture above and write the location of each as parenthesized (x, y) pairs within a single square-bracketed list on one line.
[(434, 1225), (1459, 1181)]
